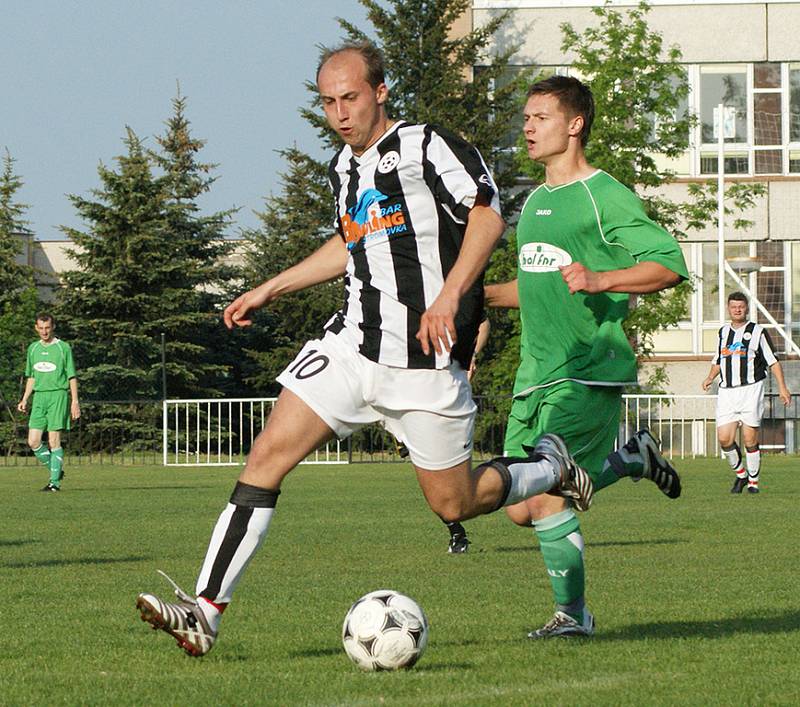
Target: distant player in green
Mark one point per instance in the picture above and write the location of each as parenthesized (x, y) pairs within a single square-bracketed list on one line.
[(50, 373), (584, 245)]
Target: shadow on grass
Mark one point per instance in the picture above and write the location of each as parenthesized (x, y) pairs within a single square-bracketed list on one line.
[(608, 543), (17, 543), (186, 487), (780, 623), (77, 561)]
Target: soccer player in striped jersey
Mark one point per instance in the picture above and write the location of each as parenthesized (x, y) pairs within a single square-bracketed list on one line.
[(417, 216), (744, 355), (51, 379), (584, 246)]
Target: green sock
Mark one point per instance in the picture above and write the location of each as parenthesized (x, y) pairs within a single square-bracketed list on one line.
[(607, 476), (561, 543), (56, 463), (43, 454)]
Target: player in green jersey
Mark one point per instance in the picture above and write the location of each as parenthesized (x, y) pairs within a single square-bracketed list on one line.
[(584, 245), (50, 373)]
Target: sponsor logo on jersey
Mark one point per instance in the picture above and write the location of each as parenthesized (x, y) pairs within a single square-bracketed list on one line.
[(388, 162), (484, 179), (735, 349), (544, 212), (370, 218), (542, 257), (44, 366)]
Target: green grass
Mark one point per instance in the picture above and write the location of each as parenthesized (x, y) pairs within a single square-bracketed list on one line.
[(696, 600)]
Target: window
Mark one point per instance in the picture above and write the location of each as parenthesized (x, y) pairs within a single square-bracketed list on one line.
[(726, 85), (794, 117)]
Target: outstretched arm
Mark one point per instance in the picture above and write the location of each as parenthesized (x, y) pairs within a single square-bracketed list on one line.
[(640, 279), (326, 263), (437, 326)]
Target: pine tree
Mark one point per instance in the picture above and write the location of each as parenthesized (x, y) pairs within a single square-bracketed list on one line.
[(18, 300), (293, 225), (199, 285)]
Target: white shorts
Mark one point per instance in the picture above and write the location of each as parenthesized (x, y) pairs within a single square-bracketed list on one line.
[(745, 404), (430, 411)]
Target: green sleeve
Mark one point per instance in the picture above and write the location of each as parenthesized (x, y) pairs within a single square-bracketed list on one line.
[(625, 223), (28, 364), (69, 364)]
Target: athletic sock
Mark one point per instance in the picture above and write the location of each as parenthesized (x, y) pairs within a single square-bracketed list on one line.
[(42, 453), (623, 462), (524, 477), (561, 544), (56, 464), (734, 456), (753, 464), (238, 534), (455, 528)]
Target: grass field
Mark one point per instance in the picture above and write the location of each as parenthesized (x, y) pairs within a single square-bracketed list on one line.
[(696, 600)]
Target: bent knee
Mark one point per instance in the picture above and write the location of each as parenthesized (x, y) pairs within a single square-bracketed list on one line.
[(451, 509)]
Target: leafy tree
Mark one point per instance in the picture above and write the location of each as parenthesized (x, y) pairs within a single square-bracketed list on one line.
[(18, 300)]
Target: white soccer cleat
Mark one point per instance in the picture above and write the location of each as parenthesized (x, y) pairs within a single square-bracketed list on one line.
[(183, 620), (575, 483), (564, 626)]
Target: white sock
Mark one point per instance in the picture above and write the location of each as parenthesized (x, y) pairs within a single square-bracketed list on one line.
[(529, 478), (237, 536), (753, 464), (734, 456)]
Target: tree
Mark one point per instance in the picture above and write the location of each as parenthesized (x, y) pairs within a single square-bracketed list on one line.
[(14, 276), (200, 284), (293, 225), (147, 264)]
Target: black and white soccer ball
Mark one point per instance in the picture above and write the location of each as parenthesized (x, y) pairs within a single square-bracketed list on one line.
[(385, 630)]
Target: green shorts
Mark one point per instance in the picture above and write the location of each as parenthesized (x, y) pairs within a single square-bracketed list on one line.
[(50, 410), (585, 416)]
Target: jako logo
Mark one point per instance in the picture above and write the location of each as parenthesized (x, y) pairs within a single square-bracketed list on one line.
[(45, 366), (368, 218), (542, 257), (544, 212)]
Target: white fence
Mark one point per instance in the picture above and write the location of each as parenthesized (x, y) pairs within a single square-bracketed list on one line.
[(220, 432)]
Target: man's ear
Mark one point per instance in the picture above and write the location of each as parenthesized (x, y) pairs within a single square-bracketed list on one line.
[(382, 94), (576, 126)]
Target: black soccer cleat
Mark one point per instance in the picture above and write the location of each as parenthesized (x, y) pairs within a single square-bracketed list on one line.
[(752, 488), (51, 487), (575, 484), (459, 544), (656, 467), (739, 484)]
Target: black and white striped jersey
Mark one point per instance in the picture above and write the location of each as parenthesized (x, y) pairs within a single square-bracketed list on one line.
[(402, 208), (744, 355)]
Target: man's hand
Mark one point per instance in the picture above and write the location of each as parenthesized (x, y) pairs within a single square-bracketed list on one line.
[(785, 396), (236, 313), (75, 410), (22, 405), (580, 279), (707, 383), (437, 326)]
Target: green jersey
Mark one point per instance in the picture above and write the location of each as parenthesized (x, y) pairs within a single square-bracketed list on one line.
[(50, 365), (601, 224)]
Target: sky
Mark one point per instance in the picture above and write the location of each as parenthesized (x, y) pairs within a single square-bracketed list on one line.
[(75, 73)]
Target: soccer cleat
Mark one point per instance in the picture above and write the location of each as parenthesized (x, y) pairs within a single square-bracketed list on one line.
[(459, 544), (61, 474), (183, 620), (656, 467), (752, 488), (563, 625), (575, 483), (51, 487), (739, 484)]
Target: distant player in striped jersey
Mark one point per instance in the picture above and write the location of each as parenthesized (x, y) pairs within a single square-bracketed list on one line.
[(51, 379), (744, 355), (417, 216), (584, 245)]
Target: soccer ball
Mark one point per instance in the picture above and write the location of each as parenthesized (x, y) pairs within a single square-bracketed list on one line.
[(385, 630)]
